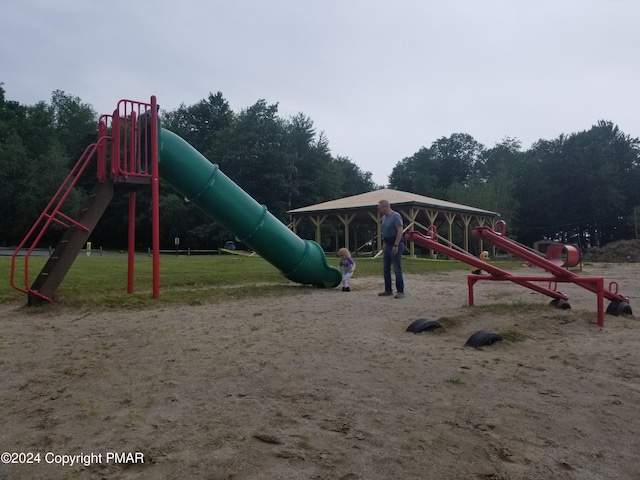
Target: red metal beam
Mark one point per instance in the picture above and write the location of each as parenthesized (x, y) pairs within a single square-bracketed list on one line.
[(495, 273), (499, 240)]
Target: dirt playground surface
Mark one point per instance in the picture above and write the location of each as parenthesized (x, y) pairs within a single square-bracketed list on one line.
[(324, 384)]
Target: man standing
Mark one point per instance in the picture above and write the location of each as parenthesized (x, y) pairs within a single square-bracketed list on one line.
[(393, 246)]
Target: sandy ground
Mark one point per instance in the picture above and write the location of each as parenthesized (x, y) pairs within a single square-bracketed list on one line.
[(322, 384)]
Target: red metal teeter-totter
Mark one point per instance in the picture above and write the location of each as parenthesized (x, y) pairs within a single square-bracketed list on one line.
[(618, 305)]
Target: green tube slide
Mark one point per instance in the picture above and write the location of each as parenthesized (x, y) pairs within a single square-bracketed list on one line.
[(202, 182)]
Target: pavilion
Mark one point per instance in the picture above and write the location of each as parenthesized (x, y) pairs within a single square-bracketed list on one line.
[(417, 211)]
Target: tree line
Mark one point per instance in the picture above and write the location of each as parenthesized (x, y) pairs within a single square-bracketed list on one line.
[(581, 187)]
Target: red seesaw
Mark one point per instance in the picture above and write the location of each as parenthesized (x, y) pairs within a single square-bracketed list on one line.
[(559, 275)]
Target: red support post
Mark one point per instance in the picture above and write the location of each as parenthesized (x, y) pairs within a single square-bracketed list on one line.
[(131, 242), (155, 199), (102, 149), (599, 286), (471, 282), (130, 160), (115, 145)]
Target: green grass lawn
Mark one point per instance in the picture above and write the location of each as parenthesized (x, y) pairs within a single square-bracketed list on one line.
[(101, 281)]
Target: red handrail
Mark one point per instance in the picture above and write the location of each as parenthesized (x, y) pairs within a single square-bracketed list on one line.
[(49, 215), (130, 157)]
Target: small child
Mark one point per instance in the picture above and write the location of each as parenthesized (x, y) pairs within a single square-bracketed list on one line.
[(348, 266), (484, 256)]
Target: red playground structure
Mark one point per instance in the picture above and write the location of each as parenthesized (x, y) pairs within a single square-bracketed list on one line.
[(559, 274)]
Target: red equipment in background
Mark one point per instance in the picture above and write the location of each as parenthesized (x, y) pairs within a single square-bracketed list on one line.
[(563, 255)]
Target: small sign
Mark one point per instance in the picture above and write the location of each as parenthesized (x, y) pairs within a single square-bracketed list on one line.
[(88, 249), (177, 241)]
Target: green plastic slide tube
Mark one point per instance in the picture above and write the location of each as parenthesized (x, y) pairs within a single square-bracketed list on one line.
[(204, 184)]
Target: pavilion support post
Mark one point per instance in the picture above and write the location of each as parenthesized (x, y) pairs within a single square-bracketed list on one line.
[(378, 219), (466, 221), (481, 222), (432, 215), (450, 219), (318, 220), (411, 219), (294, 225), (346, 221)]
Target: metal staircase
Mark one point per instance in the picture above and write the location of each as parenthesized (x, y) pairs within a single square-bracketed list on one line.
[(71, 244), (123, 142)]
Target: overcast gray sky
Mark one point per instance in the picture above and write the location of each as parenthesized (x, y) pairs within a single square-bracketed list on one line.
[(380, 78)]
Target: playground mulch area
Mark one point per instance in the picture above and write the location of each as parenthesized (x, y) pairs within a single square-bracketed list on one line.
[(324, 384)]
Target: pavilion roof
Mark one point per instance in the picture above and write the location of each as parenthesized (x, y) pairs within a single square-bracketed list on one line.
[(369, 200)]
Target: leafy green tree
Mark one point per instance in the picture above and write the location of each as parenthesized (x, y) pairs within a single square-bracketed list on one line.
[(317, 176), (432, 171), (458, 158), (417, 174), (203, 124), (254, 156), (33, 164), (298, 155), (13, 157), (353, 179), (496, 182), (580, 187), (75, 123)]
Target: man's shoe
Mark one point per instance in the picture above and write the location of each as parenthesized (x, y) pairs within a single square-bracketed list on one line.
[(346, 289), (399, 295), (385, 294)]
